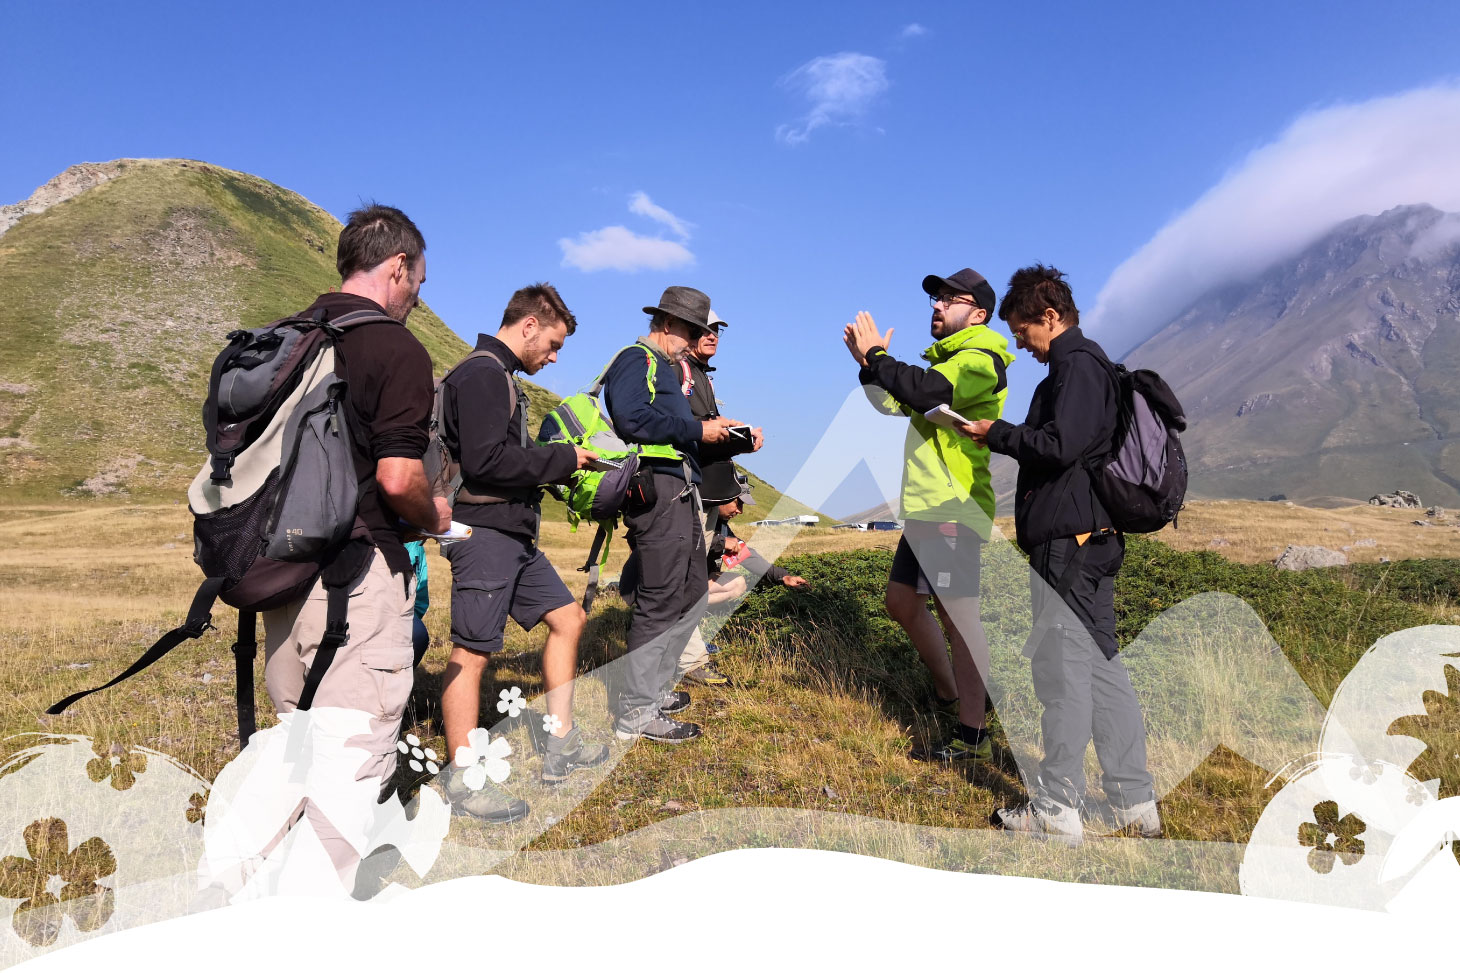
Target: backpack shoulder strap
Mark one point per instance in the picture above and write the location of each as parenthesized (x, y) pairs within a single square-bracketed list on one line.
[(357, 318), (598, 383)]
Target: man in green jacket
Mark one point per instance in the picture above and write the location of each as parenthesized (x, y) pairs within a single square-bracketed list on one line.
[(947, 498)]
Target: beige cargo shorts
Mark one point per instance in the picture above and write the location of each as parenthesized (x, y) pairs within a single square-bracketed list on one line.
[(371, 672)]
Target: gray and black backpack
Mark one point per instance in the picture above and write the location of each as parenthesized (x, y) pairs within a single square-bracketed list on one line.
[(1141, 483), (274, 507)]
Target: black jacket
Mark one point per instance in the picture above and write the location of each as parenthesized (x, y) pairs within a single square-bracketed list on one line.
[(702, 403), (1071, 419), (476, 403)]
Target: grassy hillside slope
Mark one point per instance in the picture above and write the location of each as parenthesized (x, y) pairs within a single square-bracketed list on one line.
[(117, 301)]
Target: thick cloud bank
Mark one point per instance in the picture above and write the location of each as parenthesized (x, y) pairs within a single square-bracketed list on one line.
[(1330, 165)]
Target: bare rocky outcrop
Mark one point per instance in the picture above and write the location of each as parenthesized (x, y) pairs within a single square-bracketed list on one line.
[(1299, 558), (1400, 499), (73, 182)]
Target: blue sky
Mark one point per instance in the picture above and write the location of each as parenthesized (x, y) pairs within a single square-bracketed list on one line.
[(801, 162)]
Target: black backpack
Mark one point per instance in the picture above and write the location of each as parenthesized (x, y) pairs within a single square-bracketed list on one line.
[(274, 507), (1141, 482)]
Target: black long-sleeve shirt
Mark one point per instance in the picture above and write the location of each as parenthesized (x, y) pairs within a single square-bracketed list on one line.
[(483, 430)]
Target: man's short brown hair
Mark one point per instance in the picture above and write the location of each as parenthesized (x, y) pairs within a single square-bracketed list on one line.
[(373, 235), (541, 301)]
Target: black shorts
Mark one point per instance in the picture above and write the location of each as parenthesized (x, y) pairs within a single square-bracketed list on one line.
[(938, 559), (494, 575)]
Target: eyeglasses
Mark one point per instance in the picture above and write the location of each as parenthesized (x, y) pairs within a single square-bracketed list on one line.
[(934, 300)]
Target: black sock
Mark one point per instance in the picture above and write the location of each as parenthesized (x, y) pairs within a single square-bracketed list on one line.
[(972, 735)]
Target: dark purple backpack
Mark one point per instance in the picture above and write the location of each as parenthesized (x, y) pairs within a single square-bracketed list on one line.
[(1141, 483)]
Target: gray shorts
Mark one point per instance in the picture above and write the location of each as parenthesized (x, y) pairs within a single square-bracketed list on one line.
[(494, 575)]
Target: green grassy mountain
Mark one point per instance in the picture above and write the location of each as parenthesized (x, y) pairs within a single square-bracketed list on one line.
[(120, 281), (118, 295)]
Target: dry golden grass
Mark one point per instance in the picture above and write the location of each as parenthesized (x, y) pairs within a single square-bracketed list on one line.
[(1255, 532), (84, 588)]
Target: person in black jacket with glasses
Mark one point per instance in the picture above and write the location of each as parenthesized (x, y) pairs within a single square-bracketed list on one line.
[(1074, 555)]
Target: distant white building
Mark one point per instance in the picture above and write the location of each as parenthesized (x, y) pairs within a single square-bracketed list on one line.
[(804, 520)]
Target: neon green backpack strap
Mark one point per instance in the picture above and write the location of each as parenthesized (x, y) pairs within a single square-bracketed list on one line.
[(655, 451), (653, 361)]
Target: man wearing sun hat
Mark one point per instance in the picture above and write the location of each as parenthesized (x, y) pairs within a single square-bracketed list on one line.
[(646, 402)]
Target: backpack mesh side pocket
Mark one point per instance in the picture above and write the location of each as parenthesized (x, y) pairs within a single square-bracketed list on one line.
[(226, 542)]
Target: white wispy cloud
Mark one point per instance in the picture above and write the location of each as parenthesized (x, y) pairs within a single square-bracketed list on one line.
[(840, 89), (620, 248), (641, 204), (913, 30), (1329, 165)]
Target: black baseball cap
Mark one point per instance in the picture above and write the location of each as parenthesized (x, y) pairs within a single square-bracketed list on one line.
[(966, 281)]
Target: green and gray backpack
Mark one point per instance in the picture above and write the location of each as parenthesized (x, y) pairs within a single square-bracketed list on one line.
[(599, 495)]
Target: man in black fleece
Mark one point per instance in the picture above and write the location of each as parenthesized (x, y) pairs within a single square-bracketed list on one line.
[(1074, 555), (499, 570)]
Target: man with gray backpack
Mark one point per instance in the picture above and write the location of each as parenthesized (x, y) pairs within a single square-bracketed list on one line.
[(499, 570), (1070, 526), (315, 427)]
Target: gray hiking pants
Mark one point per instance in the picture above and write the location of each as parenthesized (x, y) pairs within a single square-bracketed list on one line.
[(1080, 680), (669, 598)]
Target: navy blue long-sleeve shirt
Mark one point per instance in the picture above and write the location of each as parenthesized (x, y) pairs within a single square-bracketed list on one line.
[(658, 417)]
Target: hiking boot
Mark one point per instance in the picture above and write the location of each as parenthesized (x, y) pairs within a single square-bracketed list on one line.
[(488, 803), (706, 675), (956, 750), (1042, 818), (661, 729), (674, 701), (1139, 820), (568, 753), (711, 648)]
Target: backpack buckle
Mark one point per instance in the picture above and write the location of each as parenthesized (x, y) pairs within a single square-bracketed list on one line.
[(336, 634)]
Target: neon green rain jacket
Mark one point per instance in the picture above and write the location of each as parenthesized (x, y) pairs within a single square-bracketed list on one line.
[(945, 476)]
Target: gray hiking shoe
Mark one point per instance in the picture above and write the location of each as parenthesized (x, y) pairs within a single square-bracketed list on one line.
[(1139, 820), (488, 803), (661, 729), (1042, 818), (674, 701), (568, 753)]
